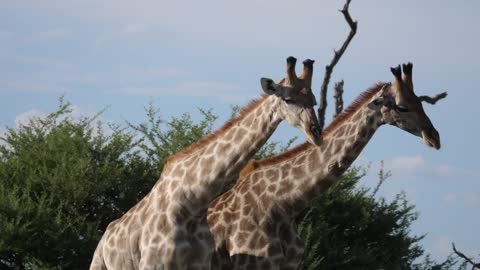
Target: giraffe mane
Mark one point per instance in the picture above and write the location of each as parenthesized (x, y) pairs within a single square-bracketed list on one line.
[(337, 122), (253, 104)]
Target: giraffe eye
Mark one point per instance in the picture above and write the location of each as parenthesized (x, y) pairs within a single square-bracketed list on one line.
[(288, 100), (402, 109)]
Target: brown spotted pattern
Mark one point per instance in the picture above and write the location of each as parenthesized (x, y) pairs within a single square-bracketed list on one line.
[(167, 229), (252, 224)]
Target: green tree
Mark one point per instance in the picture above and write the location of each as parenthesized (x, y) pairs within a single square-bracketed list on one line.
[(63, 179), (349, 228)]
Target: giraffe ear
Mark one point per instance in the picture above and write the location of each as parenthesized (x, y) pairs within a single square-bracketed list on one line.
[(268, 86)]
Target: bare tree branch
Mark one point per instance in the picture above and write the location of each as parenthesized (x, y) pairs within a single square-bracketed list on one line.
[(329, 68), (338, 96), (433, 100), (463, 256)]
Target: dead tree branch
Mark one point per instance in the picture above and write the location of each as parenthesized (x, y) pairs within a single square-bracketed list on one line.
[(329, 68), (433, 100), (463, 256), (338, 96)]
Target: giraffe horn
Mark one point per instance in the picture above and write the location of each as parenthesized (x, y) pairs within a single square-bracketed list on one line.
[(397, 73), (291, 75), (307, 72), (407, 74)]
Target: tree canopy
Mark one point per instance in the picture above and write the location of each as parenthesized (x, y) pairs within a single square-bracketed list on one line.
[(63, 179)]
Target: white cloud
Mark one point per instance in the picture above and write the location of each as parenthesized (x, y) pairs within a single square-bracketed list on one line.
[(30, 86), (24, 118), (472, 200), (50, 34), (220, 90), (403, 164), (445, 170), (466, 199), (135, 28), (450, 198)]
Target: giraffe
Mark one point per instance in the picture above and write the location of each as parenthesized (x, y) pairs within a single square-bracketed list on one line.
[(253, 223), (157, 232)]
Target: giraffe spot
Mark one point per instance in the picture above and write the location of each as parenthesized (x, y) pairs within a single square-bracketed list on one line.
[(356, 117), (249, 198), (162, 202), (350, 129), (300, 160), (254, 177), (248, 120), (338, 147), (235, 204), (261, 241), (229, 135), (246, 210), (143, 215), (207, 163), (163, 225), (272, 188), (246, 225), (178, 172), (285, 171), (253, 240), (272, 174), (265, 199), (111, 241), (258, 189), (150, 259), (285, 187), (121, 243), (244, 188), (213, 218), (239, 135), (298, 172), (228, 196), (339, 132), (313, 160), (113, 255), (227, 216), (190, 161), (223, 149), (241, 238)]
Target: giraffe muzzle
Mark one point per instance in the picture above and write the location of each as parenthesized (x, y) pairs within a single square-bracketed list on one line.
[(316, 134), (431, 138)]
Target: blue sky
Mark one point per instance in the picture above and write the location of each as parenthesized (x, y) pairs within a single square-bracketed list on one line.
[(211, 54)]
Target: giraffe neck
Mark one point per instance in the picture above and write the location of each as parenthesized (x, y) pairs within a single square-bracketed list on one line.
[(198, 174), (314, 169)]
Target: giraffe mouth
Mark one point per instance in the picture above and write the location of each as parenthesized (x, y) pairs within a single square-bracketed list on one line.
[(431, 138), (315, 135)]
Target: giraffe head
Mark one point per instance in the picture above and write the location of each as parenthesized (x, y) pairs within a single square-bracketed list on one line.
[(402, 108), (296, 99)]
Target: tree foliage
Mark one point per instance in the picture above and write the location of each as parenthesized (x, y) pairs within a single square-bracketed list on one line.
[(63, 179)]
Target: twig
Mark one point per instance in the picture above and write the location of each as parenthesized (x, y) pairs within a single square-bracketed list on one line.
[(461, 255), (433, 100), (329, 68), (338, 96)]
